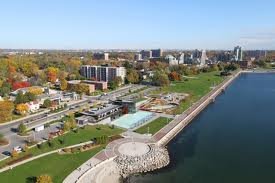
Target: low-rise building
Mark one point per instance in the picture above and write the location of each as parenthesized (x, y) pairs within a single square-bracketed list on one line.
[(128, 106), (33, 106), (86, 86), (99, 85), (79, 87), (84, 120), (101, 56), (106, 111)]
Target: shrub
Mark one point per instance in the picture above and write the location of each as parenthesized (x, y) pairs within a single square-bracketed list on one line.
[(44, 179), (14, 154), (76, 130), (61, 141), (51, 144), (41, 146), (75, 149)]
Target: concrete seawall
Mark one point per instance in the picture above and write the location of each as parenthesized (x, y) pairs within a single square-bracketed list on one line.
[(173, 128)]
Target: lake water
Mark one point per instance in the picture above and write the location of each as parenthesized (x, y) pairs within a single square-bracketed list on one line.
[(231, 141)]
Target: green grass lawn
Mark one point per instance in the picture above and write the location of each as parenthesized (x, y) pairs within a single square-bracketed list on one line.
[(71, 138), (154, 126), (55, 165), (196, 87)]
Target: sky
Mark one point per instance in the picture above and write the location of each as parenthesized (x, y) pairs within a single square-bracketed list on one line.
[(137, 24)]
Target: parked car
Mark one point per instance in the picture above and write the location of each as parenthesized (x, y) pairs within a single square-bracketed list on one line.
[(17, 149), (7, 153)]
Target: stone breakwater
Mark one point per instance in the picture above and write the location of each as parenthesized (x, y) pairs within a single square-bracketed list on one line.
[(156, 158)]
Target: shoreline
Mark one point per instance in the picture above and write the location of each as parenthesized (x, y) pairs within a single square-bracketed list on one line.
[(113, 173), (160, 139)]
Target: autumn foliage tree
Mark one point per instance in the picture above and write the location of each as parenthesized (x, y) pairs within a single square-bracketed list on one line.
[(35, 91), (63, 84), (6, 109), (132, 76), (17, 85), (174, 76), (44, 179), (22, 108), (14, 154), (52, 74)]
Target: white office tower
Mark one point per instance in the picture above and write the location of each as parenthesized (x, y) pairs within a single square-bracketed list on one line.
[(203, 57), (181, 58)]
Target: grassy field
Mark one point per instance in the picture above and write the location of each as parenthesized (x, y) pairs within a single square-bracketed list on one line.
[(71, 138), (154, 126), (197, 87), (55, 165)]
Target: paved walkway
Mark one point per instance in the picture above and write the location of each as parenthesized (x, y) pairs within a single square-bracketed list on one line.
[(164, 135), (104, 156), (40, 156)]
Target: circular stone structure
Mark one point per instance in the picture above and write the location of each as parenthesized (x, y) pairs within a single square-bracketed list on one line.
[(134, 149)]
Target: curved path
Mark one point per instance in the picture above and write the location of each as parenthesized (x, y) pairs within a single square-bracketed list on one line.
[(40, 156), (93, 169)]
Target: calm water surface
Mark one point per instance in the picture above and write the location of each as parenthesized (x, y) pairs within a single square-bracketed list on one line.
[(232, 141)]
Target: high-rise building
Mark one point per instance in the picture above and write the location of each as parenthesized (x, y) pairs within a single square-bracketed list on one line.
[(203, 57), (171, 60), (196, 54), (145, 54), (238, 53), (224, 56), (181, 58), (102, 73), (157, 53), (138, 56), (101, 56)]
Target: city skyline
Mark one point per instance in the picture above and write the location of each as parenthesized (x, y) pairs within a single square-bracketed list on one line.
[(136, 25)]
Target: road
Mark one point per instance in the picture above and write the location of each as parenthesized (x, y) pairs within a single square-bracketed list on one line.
[(9, 130)]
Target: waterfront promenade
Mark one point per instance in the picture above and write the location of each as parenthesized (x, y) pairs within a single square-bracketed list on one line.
[(95, 170), (167, 133)]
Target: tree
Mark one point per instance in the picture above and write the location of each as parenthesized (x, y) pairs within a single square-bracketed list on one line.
[(66, 126), (22, 128), (6, 109), (24, 98), (36, 91), (22, 108), (14, 154), (132, 76), (44, 179), (52, 74), (160, 79), (29, 69), (174, 76), (63, 84), (116, 82), (47, 103), (5, 89), (17, 85)]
